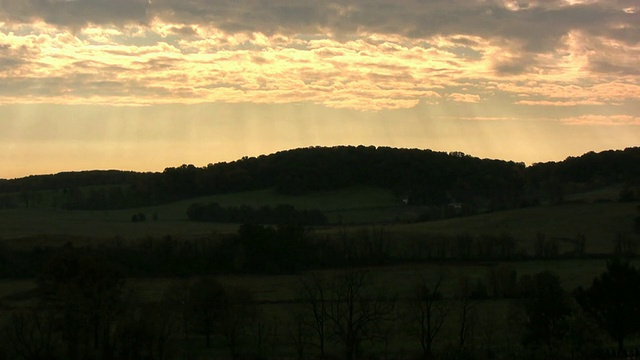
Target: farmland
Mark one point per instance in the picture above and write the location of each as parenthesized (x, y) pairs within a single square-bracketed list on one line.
[(204, 289)]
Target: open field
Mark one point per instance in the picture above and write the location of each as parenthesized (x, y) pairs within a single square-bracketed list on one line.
[(599, 222), (351, 205), (593, 214)]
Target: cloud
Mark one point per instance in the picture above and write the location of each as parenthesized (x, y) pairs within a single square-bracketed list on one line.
[(603, 120), (537, 25), (75, 14), (467, 98), (557, 102), (365, 55)]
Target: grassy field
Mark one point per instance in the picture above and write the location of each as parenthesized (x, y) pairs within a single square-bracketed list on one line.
[(599, 222), (352, 205), (593, 214)]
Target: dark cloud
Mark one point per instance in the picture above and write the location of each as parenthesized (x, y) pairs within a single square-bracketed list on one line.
[(184, 31), (12, 58), (8, 63), (76, 13), (512, 67), (536, 26), (605, 67)]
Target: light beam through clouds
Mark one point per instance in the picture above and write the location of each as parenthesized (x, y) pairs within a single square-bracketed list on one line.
[(555, 63)]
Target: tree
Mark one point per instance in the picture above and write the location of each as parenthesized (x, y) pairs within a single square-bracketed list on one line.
[(177, 298), (355, 316), (547, 308), (429, 312), (30, 332), (315, 296), (612, 299), (209, 302), (146, 332), (469, 296), (87, 293), (238, 319)]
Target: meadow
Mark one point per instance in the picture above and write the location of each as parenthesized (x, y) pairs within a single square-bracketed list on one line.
[(278, 298)]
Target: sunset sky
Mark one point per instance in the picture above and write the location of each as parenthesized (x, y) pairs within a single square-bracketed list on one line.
[(146, 84)]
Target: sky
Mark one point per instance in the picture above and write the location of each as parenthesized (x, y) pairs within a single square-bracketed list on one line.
[(147, 84)]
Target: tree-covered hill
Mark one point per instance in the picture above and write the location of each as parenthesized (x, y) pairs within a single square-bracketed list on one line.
[(421, 177)]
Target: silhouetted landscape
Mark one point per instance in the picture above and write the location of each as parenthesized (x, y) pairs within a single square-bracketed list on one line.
[(326, 253)]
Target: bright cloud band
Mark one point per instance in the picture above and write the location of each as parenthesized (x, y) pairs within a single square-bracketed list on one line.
[(364, 55)]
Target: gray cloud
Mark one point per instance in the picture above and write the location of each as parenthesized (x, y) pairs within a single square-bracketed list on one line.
[(13, 59), (602, 66), (538, 28), (76, 13)]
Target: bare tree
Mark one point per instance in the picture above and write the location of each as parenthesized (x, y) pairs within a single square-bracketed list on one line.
[(315, 297), (298, 336), (429, 312), (177, 299), (469, 297), (208, 302), (240, 315), (31, 334), (355, 317)]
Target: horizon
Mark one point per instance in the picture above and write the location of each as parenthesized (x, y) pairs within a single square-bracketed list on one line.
[(292, 149), (143, 85)]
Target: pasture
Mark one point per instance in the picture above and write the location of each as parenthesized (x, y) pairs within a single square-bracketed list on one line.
[(593, 214), (278, 298)]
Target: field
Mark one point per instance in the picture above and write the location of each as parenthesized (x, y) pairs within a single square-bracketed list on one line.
[(594, 214), (599, 222), (353, 205), (278, 297)]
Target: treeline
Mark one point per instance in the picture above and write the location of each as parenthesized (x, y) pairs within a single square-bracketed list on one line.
[(84, 307), (292, 248), (280, 214), (421, 177)]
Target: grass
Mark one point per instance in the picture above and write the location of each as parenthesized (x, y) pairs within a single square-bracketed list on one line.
[(278, 296), (599, 222), (354, 204), (585, 213)]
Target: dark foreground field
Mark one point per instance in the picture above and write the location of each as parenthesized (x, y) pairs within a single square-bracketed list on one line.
[(371, 283)]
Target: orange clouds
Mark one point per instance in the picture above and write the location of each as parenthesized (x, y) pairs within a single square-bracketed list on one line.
[(144, 53), (615, 120)]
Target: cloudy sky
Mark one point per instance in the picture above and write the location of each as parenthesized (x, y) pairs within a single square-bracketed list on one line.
[(146, 84)]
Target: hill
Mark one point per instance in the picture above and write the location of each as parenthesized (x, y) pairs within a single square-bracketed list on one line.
[(418, 177)]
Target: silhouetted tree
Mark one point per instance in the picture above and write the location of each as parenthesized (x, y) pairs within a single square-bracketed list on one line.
[(87, 291), (209, 302), (31, 333), (315, 295), (470, 294), (547, 308), (612, 299), (177, 298), (238, 319), (428, 311), (354, 315)]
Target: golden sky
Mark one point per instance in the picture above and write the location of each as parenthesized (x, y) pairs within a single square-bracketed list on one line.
[(146, 84)]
